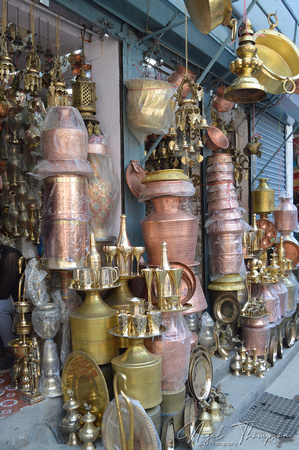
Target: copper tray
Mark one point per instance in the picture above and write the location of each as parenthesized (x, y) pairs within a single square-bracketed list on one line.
[(145, 436), (82, 375), (134, 174), (270, 232), (291, 250), (226, 309)]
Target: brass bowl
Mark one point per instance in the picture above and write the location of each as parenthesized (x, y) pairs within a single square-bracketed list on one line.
[(20, 350), (24, 307), (208, 14)]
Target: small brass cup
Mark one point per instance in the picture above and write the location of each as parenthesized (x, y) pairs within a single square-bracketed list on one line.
[(108, 276), (85, 278), (124, 323), (154, 321), (139, 324)]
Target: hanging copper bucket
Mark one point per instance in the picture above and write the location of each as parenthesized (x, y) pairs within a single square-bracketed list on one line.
[(219, 103), (177, 77), (215, 140)]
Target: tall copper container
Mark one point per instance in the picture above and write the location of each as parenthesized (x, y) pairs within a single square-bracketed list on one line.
[(174, 348), (66, 196), (167, 223), (64, 135), (286, 215), (256, 333), (263, 198)]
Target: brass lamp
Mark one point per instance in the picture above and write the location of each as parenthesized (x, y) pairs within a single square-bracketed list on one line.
[(246, 88)]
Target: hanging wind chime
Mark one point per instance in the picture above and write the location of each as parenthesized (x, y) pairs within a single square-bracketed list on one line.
[(32, 79), (185, 137), (6, 65)]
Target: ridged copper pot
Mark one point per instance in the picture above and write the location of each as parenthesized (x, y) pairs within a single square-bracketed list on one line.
[(219, 158), (224, 264), (167, 223), (215, 177), (221, 204), (222, 195), (226, 214), (219, 227), (225, 243), (220, 167)]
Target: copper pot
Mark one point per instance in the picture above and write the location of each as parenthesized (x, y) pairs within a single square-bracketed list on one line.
[(215, 140), (66, 197), (225, 244), (177, 77), (226, 226), (220, 167), (257, 338), (219, 158), (226, 214), (214, 177), (64, 135), (286, 215), (220, 204), (225, 186), (176, 188), (174, 226), (226, 263), (221, 194), (65, 243), (219, 103)]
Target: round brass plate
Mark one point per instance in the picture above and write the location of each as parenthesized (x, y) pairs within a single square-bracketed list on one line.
[(273, 350), (297, 328), (145, 437), (290, 334), (270, 232), (189, 421), (200, 376), (82, 375), (167, 435), (226, 309)]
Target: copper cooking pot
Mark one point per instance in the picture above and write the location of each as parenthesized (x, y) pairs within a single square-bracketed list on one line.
[(168, 223), (215, 139), (219, 103), (177, 77), (226, 214), (215, 177), (286, 215), (220, 167), (255, 337), (216, 205), (225, 244), (226, 226), (226, 263), (219, 158)]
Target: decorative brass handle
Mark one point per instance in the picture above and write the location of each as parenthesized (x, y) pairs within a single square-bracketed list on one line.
[(234, 28), (284, 86), (272, 25)]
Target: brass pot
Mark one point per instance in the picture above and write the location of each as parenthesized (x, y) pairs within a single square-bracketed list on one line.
[(286, 215), (263, 198), (226, 226), (208, 14), (227, 263), (221, 204), (215, 139), (219, 103), (167, 223), (90, 325), (215, 177), (219, 158), (280, 58)]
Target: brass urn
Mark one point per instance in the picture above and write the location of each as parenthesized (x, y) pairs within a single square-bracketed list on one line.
[(263, 198)]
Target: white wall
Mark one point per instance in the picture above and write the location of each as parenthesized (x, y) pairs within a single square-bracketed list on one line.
[(104, 58)]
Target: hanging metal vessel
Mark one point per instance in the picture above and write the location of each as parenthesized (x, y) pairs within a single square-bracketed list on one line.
[(280, 58), (219, 103), (263, 198), (208, 14), (177, 77), (215, 139)]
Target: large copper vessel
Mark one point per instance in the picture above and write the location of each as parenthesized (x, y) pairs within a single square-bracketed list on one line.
[(256, 333), (286, 215), (263, 198), (64, 134), (167, 223)]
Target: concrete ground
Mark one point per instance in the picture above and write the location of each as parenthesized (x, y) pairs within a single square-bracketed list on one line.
[(29, 429)]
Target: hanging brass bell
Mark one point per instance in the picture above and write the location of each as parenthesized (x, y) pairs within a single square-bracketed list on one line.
[(191, 148), (199, 144), (48, 54), (206, 427), (39, 48), (18, 41), (185, 144), (176, 148), (246, 88), (203, 123), (215, 411), (28, 45)]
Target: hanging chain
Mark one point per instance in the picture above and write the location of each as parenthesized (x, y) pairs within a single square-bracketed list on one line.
[(186, 41), (32, 22), (4, 15), (57, 31)]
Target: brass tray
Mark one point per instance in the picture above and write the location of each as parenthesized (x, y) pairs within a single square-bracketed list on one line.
[(83, 376), (145, 436), (197, 351), (201, 378), (165, 175), (184, 307), (226, 309), (167, 435), (115, 332), (280, 343), (290, 334), (113, 286), (190, 422)]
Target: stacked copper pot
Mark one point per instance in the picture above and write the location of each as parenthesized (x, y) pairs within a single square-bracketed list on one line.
[(65, 225), (225, 223)]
